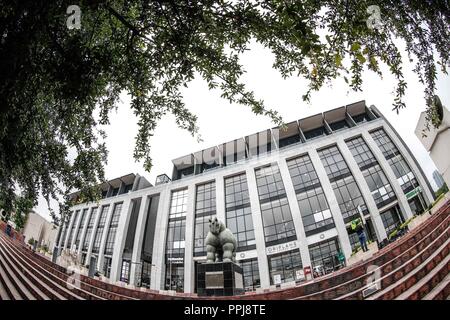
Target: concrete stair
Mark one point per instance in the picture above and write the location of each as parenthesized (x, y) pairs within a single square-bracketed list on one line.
[(417, 266)]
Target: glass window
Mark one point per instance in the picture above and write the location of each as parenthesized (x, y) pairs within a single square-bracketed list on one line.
[(174, 277), (379, 186), (125, 272), (339, 125), (72, 229), (100, 227), (401, 169), (324, 256), (80, 228), (111, 237), (360, 118), (175, 241), (284, 266), (316, 215), (390, 220), (276, 214), (107, 266), (146, 274), (87, 237), (343, 183), (205, 208), (251, 274), (238, 212), (178, 205), (314, 133)]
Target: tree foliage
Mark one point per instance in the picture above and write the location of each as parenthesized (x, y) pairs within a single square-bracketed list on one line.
[(59, 85)]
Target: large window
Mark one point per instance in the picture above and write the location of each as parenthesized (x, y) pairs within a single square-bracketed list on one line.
[(401, 169), (178, 205), (146, 273), (100, 227), (175, 277), (125, 272), (90, 226), (239, 212), (205, 208), (107, 266), (251, 274), (378, 184), (339, 125), (284, 266), (390, 219), (111, 238), (316, 215), (314, 133), (175, 241), (64, 232), (80, 227), (324, 256), (72, 229), (347, 193), (276, 214)]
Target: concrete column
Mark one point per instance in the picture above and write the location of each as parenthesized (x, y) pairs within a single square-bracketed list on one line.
[(365, 191), (412, 164), (94, 231), (332, 202), (390, 175), (189, 270), (101, 251), (159, 243), (263, 264), (69, 229), (121, 236), (84, 230), (220, 199), (139, 238), (295, 211)]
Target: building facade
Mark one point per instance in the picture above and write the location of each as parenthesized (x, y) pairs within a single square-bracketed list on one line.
[(38, 228), (436, 141), (289, 196)]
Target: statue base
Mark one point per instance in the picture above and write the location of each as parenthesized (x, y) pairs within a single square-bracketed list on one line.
[(219, 279)]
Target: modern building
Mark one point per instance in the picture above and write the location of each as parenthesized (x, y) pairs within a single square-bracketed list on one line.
[(38, 228), (288, 194), (437, 177), (436, 141)]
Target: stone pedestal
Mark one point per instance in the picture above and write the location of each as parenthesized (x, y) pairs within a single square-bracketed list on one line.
[(219, 279)]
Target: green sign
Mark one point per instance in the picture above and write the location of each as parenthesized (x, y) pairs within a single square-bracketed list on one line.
[(412, 193)]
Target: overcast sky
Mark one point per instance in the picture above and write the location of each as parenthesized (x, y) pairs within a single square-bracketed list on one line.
[(220, 121)]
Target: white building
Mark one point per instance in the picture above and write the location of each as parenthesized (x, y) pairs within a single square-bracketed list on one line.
[(437, 142), (40, 229), (288, 196)]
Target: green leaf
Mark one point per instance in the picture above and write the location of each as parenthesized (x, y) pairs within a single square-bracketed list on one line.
[(355, 47), (338, 60), (360, 58)]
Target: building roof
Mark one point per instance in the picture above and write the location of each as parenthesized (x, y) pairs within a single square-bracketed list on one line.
[(293, 127)]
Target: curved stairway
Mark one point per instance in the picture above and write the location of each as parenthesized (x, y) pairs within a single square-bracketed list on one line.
[(417, 266)]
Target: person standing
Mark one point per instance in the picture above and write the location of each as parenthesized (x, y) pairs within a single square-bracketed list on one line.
[(357, 225)]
